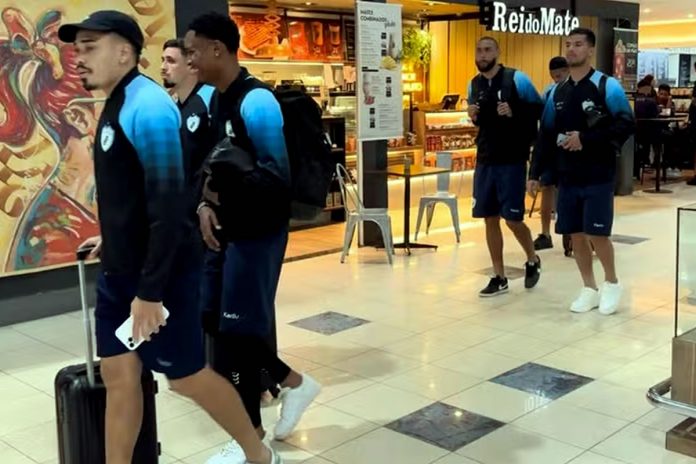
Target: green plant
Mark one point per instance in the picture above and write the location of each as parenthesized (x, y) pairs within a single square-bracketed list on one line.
[(417, 45)]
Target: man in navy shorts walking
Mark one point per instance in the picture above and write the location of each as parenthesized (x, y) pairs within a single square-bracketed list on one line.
[(586, 121), (505, 106), (149, 249)]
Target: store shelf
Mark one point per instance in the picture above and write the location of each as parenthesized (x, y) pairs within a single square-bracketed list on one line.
[(287, 62), (454, 150)]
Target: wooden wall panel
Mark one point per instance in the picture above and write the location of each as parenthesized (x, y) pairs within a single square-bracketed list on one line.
[(453, 67)]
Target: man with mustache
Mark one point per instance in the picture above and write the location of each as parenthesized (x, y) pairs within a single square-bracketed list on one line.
[(149, 251), (586, 121), (505, 106)]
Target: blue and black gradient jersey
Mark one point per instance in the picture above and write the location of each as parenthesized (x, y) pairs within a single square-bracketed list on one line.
[(198, 135), (604, 125), (502, 139), (141, 183), (255, 203)]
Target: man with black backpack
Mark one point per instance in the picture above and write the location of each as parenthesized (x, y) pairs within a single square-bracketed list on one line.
[(505, 106), (244, 221), (586, 121)]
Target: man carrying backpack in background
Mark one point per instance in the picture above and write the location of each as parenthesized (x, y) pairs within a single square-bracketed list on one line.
[(245, 222), (586, 121), (505, 106), (558, 68)]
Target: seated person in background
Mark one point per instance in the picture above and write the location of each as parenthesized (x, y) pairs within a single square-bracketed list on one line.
[(692, 132), (664, 99), (671, 151), (646, 136)]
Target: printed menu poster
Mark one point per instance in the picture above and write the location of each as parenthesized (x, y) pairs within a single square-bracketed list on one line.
[(263, 35), (626, 58), (379, 45)]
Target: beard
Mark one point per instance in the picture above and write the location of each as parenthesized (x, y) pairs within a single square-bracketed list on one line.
[(87, 86), (167, 84), (576, 62), (486, 66)]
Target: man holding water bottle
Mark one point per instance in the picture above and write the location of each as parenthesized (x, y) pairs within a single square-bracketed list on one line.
[(506, 107)]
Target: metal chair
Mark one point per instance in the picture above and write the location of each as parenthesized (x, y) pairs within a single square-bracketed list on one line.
[(356, 212), (443, 195)]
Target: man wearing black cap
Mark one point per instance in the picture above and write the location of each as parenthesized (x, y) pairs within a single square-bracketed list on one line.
[(148, 245), (559, 70)]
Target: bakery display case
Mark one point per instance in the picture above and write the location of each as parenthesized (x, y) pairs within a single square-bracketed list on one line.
[(345, 106), (451, 131), (682, 98)]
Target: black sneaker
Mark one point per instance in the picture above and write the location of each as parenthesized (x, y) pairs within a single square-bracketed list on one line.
[(532, 273), (543, 242), (497, 286)]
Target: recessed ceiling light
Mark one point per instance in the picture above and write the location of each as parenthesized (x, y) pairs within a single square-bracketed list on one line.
[(647, 10), (309, 3), (691, 16)]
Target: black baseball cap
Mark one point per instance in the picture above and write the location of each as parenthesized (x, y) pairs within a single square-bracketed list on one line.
[(106, 21)]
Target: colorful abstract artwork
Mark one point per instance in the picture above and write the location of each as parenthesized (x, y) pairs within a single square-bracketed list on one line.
[(47, 124)]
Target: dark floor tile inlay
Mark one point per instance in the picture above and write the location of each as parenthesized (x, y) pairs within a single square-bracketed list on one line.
[(445, 426), (329, 323), (542, 381), (511, 273), (628, 240)]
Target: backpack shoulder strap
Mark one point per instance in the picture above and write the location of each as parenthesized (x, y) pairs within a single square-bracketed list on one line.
[(508, 83), (603, 89)]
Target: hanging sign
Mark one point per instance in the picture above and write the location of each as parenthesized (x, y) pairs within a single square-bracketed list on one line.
[(496, 16)]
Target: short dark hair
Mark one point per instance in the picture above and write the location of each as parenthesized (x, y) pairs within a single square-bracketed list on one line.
[(665, 87), (487, 37), (588, 33), (174, 43), (216, 26), (558, 62)]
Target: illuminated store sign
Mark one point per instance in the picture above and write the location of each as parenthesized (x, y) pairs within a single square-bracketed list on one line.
[(546, 21)]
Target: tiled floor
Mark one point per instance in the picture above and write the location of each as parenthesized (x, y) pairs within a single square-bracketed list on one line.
[(418, 370)]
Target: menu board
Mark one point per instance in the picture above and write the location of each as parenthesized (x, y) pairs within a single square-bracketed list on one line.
[(380, 95), (626, 58), (349, 37), (262, 35), (315, 39)]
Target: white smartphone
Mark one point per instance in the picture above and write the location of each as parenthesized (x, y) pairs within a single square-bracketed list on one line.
[(562, 138), (125, 332)]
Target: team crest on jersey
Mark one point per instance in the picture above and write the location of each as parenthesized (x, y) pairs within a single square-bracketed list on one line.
[(192, 122), (107, 137), (228, 129)]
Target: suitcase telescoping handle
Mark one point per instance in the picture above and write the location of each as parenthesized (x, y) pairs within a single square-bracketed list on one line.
[(82, 254)]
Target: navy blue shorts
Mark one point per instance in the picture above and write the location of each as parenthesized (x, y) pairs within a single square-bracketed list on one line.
[(585, 209), (240, 284), (177, 350), (499, 190)]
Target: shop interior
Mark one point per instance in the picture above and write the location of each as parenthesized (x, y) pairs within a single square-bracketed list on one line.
[(293, 42)]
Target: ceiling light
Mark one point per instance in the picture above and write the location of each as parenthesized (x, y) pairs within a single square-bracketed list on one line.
[(309, 3), (647, 10), (691, 16)]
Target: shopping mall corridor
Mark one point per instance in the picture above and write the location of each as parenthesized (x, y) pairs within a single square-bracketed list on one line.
[(418, 370)]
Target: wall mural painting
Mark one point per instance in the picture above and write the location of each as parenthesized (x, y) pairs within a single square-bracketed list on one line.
[(47, 125)]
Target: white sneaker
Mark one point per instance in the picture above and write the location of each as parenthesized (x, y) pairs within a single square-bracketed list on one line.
[(275, 457), (295, 402), (232, 453), (586, 302), (610, 298)]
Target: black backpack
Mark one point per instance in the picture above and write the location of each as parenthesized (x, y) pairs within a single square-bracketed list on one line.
[(308, 145)]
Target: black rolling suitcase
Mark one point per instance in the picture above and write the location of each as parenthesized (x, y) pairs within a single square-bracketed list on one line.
[(81, 404)]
